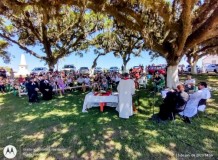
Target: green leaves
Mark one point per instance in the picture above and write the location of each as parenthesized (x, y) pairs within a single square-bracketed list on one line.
[(58, 30), (4, 54)]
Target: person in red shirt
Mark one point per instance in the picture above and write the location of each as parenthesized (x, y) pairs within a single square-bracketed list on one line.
[(21, 79)]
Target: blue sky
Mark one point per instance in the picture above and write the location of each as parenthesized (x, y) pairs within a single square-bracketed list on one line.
[(85, 61)]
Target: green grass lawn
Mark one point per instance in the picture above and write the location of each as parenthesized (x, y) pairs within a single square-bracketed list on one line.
[(60, 124)]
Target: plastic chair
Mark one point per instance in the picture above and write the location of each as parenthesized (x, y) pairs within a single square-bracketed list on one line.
[(160, 86), (142, 83)]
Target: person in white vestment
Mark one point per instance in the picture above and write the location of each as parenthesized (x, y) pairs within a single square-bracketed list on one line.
[(205, 96), (191, 108), (126, 88)]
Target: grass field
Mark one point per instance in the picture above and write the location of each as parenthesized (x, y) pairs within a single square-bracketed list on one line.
[(57, 129)]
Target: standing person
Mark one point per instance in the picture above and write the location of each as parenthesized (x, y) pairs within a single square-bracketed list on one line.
[(126, 88), (11, 73), (61, 84), (32, 89)]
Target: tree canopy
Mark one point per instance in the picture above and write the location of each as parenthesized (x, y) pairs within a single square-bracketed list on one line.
[(120, 41), (57, 31), (209, 47)]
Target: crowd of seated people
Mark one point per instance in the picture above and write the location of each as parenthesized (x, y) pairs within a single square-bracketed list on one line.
[(176, 102), (60, 81), (57, 82)]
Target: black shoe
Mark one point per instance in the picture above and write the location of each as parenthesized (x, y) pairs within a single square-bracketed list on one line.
[(187, 120)]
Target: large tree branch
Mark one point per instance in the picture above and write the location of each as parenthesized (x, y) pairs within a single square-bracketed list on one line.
[(203, 13), (210, 53), (101, 6), (203, 49), (34, 30), (185, 24), (45, 41), (96, 58), (22, 47), (206, 31), (66, 49), (81, 16)]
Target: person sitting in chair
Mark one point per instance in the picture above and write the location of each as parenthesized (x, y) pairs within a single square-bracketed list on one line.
[(205, 95), (196, 99), (80, 80), (189, 83), (104, 84), (174, 102), (33, 88), (158, 82), (45, 88)]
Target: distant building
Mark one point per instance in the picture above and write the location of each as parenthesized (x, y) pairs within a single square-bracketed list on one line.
[(210, 59), (23, 68)]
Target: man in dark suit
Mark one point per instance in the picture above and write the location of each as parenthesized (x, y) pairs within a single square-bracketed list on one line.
[(32, 89), (174, 102), (45, 88)]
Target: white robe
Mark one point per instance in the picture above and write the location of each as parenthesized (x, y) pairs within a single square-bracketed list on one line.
[(192, 107), (126, 89), (205, 95)]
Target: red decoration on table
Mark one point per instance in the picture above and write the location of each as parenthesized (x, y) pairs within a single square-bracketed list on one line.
[(108, 93)]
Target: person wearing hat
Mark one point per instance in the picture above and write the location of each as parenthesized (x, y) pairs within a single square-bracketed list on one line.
[(126, 88)]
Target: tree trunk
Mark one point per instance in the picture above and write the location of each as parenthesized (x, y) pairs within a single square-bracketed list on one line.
[(91, 71), (94, 64), (51, 66), (124, 67), (125, 61), (172, 76), (194, 68)]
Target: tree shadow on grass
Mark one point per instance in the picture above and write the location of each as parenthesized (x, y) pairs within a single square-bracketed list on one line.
[(100, 135)]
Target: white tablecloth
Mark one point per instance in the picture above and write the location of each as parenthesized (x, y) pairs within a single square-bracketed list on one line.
[(91, 100)]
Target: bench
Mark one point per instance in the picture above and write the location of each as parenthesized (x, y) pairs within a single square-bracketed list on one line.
[(68, 88), (21, 93)]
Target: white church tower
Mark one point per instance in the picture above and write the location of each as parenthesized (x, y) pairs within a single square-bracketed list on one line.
[(23, 67)]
